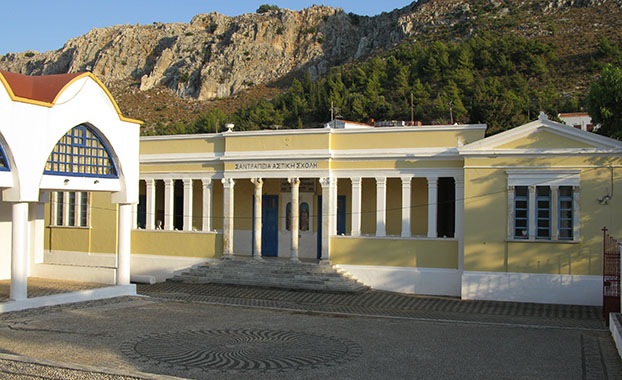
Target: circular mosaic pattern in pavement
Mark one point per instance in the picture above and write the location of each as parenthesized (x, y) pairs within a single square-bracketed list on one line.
[(241, 349)]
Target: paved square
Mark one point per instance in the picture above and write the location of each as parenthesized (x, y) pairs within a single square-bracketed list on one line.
[(141, 337)]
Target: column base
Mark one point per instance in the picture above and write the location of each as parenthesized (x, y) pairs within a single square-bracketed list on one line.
[(294, 259), (324, 262), (226, 256), (258, 258)]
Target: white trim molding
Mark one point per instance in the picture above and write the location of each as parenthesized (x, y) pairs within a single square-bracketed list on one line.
[(533, 287), (430, 281)]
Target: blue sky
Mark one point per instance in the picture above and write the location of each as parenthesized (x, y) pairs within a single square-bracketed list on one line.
[(42, 25)]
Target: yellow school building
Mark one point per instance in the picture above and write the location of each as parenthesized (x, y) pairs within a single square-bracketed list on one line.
[(437, 210)]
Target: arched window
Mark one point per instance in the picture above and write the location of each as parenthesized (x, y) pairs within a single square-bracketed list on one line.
[(3, 162), (81, 153)]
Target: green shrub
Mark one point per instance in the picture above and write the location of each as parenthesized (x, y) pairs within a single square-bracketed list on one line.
[(263, 8)]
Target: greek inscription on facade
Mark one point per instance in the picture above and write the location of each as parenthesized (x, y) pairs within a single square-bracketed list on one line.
[(281, 165)]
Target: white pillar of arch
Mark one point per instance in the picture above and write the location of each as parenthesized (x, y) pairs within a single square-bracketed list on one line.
[(207, 205), (124, 244), (188, 195), (381, 206), (19, 252), (295, 183), (169, 202), (134, 214), (258, 217), (459, 219), (356, 206), (150, 204), (432, 206), (228, 214), (554, 212), (511, 213), (531, 213), (327, 218), (406, 204)]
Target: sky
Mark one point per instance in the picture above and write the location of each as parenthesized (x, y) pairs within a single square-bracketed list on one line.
[(41, 25)]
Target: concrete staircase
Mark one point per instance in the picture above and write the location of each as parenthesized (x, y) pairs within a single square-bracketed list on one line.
[(273, 273)]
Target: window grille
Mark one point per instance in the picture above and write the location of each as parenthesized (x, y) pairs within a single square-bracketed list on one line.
[(521, 212), (3, 163), (565, 213), (81, 153)]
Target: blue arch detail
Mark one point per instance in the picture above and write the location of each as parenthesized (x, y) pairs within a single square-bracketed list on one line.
[(4, 164), (81, 153)]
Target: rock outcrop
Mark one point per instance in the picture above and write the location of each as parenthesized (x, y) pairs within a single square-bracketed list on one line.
[(216, 56)]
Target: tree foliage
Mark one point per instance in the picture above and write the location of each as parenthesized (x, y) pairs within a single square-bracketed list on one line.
[(604, 102), (263, 8)]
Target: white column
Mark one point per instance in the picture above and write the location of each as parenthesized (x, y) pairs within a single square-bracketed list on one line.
[(227, 223), (356, 206), (576, 215), (123, 251), (333, 207), (19, 252), (207, 204), (258, 214), (554, 212), (406, 203), (459, 219), (188, 204), (295, 183), (432, 205), (531, 213), (381, 206), (169, 204), (327, 193), (511, 194), (150, 207)]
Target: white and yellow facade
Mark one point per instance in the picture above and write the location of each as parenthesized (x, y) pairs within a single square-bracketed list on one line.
[(425, 209), (61, 134)]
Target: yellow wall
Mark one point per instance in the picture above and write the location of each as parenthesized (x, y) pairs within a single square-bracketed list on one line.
[(544, 140), (486, 218), (277, 142), (198, 145), (403, 139), (395, 252), (176, 243)]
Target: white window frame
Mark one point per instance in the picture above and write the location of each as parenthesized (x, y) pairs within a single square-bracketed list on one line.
[(57, 208), (553, 179)]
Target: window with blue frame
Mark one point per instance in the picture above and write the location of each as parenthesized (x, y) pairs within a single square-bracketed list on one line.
[(543, 212), (81, 153), (521, 212), (565, 213)]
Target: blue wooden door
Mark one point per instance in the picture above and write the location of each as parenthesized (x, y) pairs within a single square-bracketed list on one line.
[(270, 225)]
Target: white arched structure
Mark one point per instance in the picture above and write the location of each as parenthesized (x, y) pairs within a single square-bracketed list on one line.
[(35, 113)]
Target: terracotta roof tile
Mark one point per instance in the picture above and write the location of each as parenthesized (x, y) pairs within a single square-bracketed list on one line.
[(43, 88)]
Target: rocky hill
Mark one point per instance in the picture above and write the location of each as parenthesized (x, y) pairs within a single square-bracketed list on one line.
[(171, 71)]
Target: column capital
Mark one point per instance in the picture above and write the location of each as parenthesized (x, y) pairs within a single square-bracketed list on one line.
[(532, 188), (554, 187), (406, 180), (512, 188), (228, 182), (294, 181), (432, 180), (356, 181), (576, 188), (381, 180), (257, 181), (206, 181), (187, 181), (327, 181), (149, 181), (168, 182)]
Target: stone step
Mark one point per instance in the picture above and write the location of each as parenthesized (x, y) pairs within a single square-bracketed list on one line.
[(273, 273)]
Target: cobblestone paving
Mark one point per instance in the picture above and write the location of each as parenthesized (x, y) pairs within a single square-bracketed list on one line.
[(39, 287), (380, 303)]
